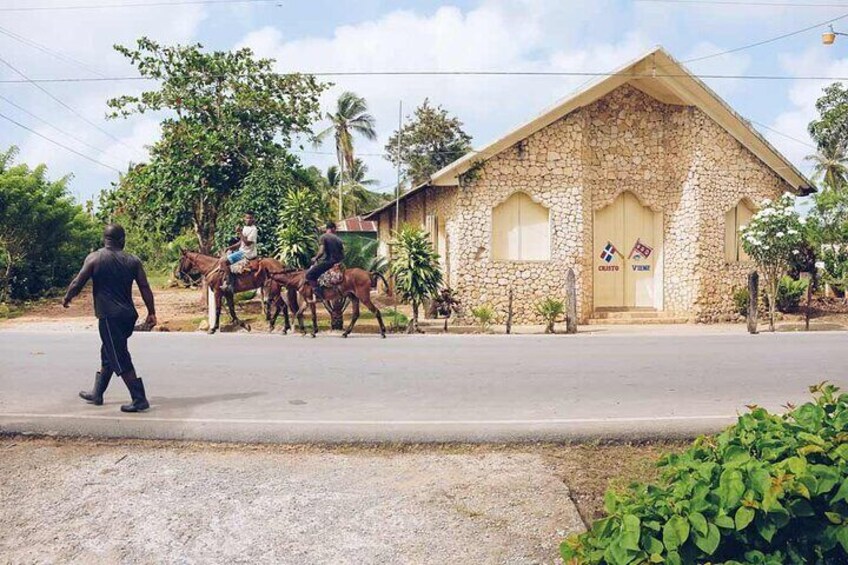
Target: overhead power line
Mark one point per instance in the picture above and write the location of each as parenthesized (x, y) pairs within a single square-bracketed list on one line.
[(50, 125), (749, 3), (787, 136), (49, 51), (64, 104), (62, 145), (769, 40), (131, 5), (466, 74)]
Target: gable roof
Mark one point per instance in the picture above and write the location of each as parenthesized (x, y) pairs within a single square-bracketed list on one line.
[(658, 75)]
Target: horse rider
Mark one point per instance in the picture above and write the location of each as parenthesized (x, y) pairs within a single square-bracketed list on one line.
[(244, 248), (113, 272), (330, 254)]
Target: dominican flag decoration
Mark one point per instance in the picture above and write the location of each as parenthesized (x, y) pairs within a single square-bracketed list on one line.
[(608, 254), (640, 249)]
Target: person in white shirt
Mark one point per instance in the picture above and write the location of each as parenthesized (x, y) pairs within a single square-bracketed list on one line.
[(245, 247)]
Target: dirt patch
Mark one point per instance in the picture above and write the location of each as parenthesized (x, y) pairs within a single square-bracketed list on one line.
[(109, 502), (589, 470), (177, 309)]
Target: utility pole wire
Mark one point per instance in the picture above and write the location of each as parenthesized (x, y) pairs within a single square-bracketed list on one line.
[(63, 146), (748, 3), (64, 105), (50, 125), (134, 5), (397, 189), (767, 41), (49, 51)]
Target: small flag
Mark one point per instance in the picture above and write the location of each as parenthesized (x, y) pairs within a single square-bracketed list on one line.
[(640, 248), (608, 254)]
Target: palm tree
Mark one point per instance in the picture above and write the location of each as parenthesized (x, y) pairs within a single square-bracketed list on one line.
[(361, 199), (830, 166), (351, 118)]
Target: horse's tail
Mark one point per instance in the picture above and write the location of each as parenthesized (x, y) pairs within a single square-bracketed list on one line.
[(379, 276)]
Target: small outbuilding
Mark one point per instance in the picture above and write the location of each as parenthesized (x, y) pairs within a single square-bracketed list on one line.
[(639, 182)]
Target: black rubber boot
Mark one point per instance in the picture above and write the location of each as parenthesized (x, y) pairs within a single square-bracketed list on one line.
[(136, 388), (101, 381)]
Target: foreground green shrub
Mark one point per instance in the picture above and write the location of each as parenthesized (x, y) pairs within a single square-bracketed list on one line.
[(789, 293), (551, 310), (484, 315), (769, 490), (741, 299)]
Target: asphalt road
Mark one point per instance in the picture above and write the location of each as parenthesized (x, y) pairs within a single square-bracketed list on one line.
[(269, 388)]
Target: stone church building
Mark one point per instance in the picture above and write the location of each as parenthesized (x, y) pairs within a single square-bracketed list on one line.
[(639, 182)]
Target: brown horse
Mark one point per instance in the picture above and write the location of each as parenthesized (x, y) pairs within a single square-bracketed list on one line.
[(356, 285), (209, 267)]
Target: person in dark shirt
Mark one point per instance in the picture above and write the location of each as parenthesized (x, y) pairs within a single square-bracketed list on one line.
[(113, 272), (330, 253)]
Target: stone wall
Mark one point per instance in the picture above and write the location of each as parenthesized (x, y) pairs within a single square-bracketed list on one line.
[(673, 158)]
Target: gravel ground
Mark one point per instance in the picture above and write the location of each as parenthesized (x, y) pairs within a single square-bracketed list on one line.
[(148, 502)]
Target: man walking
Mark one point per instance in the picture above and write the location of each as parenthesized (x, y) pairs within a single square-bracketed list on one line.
[(113, 273), (330, 253)]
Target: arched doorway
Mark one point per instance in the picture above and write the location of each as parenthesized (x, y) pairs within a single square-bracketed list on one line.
[(628, 241)]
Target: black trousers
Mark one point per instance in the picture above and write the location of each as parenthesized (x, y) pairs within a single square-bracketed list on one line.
[(319, 269), (114, 334)]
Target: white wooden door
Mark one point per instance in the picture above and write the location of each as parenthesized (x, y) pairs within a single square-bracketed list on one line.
[(627, 245)]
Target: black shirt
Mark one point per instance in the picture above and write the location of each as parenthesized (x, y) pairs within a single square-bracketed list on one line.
[(112, 272), (333, 248)]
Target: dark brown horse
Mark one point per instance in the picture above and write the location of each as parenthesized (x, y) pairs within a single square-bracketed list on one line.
[(356, 285), (210, 267)]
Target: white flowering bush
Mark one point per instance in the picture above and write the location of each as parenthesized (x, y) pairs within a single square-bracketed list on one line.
[(770, 239)]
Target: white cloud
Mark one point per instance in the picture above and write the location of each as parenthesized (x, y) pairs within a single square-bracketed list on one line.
[(87, 36), (802, 96), (496, 36)]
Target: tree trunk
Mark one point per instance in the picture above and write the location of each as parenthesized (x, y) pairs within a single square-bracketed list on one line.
[(413, 324), (772, 299)]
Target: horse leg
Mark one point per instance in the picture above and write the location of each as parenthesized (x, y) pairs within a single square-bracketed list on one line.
[(314, 318), (285, 307), (231, 304), (370, 305), (218, 297), (354, 315), (272, 318)]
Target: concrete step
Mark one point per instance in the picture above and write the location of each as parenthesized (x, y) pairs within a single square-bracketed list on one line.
[(635, 321), (632, 314)]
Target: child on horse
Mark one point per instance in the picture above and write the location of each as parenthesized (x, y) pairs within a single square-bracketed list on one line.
[(244, 248)]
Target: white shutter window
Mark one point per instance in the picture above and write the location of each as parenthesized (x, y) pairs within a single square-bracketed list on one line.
[(520, 230)]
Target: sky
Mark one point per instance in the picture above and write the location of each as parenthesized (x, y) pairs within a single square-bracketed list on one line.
[(406, 35)]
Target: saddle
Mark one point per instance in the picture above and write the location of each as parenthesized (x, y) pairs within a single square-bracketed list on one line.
[(244, 266), (332, 277)]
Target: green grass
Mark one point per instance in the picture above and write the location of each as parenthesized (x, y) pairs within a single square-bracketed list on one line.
[(159, 278)]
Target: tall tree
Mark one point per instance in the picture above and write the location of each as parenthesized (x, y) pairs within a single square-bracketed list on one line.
[(430, 140), (350, 118), (831, 128), (44, 233), (227, 112), (830, 166), (357, 197)]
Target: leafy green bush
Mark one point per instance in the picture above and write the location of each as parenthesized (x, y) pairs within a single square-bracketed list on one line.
[(769, 490), (550, 309), (741, 299), (415, 268), (484, 314), (790, 292)]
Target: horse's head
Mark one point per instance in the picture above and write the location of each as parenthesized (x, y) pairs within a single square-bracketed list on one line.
[(185, 267)]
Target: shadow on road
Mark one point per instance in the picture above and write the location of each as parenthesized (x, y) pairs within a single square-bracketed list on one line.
[(193, 401)]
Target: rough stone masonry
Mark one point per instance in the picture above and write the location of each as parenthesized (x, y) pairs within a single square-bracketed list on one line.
[(674, 159)]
